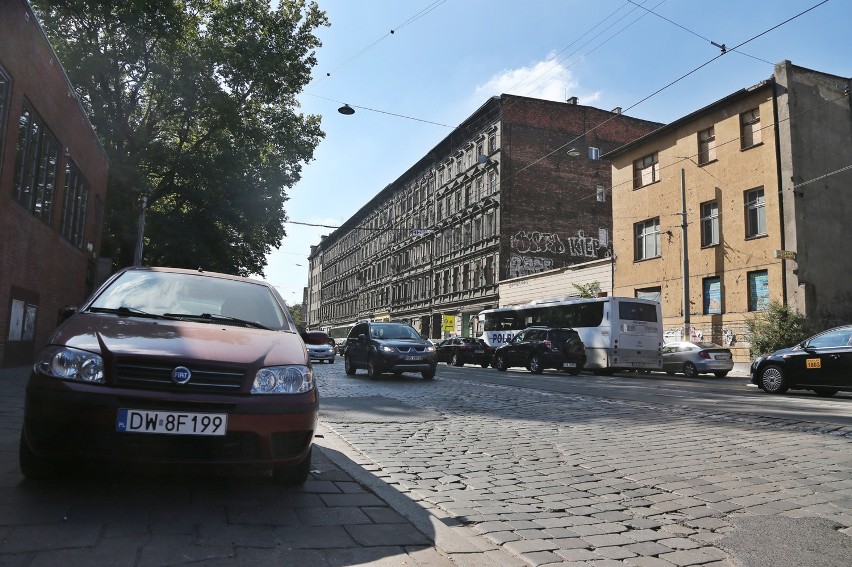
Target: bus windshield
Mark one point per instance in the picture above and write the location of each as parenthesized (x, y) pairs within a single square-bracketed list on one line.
[(635, 311)]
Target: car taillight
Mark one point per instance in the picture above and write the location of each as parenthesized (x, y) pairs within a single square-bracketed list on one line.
[(704, 354)]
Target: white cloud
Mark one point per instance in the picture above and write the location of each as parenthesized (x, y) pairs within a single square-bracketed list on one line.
[(548, 79)]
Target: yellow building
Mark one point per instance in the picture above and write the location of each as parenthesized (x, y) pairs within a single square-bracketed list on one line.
[(705, 209)]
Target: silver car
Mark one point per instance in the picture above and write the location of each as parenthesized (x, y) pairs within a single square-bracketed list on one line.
[(693, 359)]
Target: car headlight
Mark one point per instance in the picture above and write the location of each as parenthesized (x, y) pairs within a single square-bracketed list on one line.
[(70, 364), (757, 361), (388, 349), (295, 379), (430, 348)]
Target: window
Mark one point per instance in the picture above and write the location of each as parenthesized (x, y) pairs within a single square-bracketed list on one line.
[(709, 223), (479, 185), (594, 153), (36, 166), (755, 212), (492, 143), (646, 171), (647, 239), (706, 145), (650, 293), (441, 176), (492, 182), (833, 338), (4, 104), (758, 290), (750, 128), (601, 193), (712, 295), (74, 206)]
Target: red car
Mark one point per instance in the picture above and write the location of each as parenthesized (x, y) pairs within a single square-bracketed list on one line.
[(173, 367)]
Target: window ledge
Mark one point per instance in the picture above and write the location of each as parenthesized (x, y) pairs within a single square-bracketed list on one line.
[(636, 261), (713, 245), (751, 146), (708, 162), (647, 184), (756, 237)]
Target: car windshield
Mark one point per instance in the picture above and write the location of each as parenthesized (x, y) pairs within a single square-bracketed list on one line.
[(391, 331), (185, 295), (707, 345)]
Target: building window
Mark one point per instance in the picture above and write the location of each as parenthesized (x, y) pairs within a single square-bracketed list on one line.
[(712, 295), (707, 145), (650, 293), (594, 153), (4, 106), (750, 128), (36, 166), (758, 290), (647, 239), (709, 223), (755, 212), (646, 171), (492, 182), (601, 193), (479, 184), (74, 206), (492, 143)]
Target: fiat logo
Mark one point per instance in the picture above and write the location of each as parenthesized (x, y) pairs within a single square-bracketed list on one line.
[(181, 375)]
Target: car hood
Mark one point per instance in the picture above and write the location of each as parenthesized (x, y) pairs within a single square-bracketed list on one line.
[(783, 351), (181, 341), (403, 343)]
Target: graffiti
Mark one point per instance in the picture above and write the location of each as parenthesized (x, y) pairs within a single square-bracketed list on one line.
[(526, 265), (718, 334), (525, 242), (534, 241)]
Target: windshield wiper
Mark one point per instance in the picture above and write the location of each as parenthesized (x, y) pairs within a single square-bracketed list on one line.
[(124, 310), (213, 317)]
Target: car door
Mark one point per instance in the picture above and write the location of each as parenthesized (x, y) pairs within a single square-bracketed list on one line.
[(444, 350), (830, 358), (514, 347), (357, 346)]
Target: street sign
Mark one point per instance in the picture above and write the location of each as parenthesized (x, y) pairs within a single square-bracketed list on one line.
[(785, 254), (449, 323)]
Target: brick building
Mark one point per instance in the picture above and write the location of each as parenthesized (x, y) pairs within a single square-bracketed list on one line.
[(763, 178), (518, 188), (53, 176)]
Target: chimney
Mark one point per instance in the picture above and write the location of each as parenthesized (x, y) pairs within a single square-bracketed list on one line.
[(573, 100), (616, 110)]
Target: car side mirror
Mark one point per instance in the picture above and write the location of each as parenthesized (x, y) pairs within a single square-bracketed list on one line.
[(362, 338)]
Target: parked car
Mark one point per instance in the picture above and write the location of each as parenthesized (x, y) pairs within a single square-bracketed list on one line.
[(459, 351), (320, 346), (693, 359), (340, 348), (822, 363), (389, 347), (537, 348), (173, 367)]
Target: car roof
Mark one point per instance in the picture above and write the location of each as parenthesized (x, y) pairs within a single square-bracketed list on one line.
[(197, 272)]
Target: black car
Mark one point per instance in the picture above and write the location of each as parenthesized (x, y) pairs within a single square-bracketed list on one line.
[(388, 347), (822, 363), (538, 348), (459, 351)]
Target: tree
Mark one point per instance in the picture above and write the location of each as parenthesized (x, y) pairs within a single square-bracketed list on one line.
[(776, 327), (588, 290), (194, 102)]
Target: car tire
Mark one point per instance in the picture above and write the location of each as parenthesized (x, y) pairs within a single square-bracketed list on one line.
[(33, 466), (484, 364), (372, 370), (428, 374), (350, 369), (457, 361), (720, 373), (294, 475), (331, 361), (500, 363), (689, 370), (825, 392), (772, 380), (534, 365), (573, 371)]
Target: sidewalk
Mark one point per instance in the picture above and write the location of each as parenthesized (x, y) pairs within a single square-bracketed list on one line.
[(343, 515)]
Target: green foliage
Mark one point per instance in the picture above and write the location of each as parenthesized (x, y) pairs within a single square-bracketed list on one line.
[(588, 290), (195, 104), (296, 311), (778, 326)]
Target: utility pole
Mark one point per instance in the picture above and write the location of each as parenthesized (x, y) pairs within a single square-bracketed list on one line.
[(137, 255), (685, 255)]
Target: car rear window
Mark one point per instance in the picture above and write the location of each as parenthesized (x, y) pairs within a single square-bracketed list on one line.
[(562, 335)]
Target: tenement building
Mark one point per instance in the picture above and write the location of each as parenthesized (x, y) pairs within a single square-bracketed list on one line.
[(741, 203), (518, 188), (53, 178)]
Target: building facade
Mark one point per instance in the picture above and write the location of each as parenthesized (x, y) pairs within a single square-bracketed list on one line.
[(738, 204), (53, 177), (518, 188)]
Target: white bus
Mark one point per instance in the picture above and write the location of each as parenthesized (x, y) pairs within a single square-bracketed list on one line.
[(620, 333)]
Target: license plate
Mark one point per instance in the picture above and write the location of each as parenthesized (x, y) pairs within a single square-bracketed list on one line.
[(170, 422), (569, 365), (479, 351), (813, 363), (411, 357), (722, 356)]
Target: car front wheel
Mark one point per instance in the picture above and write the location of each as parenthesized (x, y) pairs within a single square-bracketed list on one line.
[(372, 370), (33, 466), (500, 363), (347, 364), (535, 365), (428, 374), (457, 361), (772, 380), (721, 373)]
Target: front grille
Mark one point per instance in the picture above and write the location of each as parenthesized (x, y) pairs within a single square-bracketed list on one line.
[(158, 376), (410, 349)]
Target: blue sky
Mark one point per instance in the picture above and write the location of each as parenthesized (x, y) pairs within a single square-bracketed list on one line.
[(447, 57)]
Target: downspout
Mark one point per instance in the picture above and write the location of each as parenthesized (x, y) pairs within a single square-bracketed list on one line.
[(779, 181)]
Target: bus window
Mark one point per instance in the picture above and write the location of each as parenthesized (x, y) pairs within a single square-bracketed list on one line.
[(633, 311)]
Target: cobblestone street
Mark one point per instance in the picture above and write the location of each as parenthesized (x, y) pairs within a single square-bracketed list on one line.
[(579, 480)]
